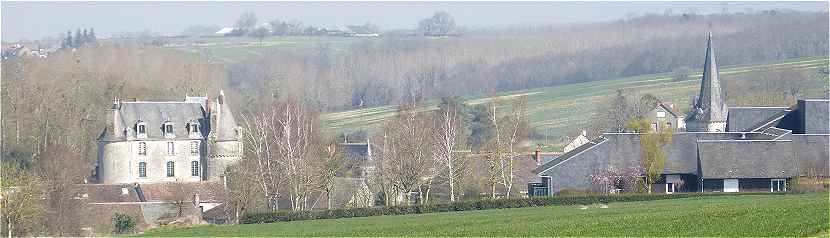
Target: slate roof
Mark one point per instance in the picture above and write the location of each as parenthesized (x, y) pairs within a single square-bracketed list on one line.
[(155, 114), (569, 154), (154, 192), (747, 159), (669, 107), (814, 116), (227, 128), (744, 118), (710, 104)]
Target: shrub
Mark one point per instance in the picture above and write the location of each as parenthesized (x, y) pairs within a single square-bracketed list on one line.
[(468, 205), (123, 223)]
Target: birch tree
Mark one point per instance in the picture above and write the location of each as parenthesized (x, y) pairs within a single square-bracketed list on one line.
[(259, 147), (296, 139), (407, 158), (449, 142)]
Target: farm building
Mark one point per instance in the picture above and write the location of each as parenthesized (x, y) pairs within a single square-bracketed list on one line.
[(723, 149)]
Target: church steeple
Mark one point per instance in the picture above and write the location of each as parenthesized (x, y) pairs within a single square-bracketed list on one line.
[(710, 110)]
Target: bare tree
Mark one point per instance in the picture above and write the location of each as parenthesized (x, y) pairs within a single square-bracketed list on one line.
[(246, 22), (260, 147), (406, 154), (508, 132), (260, 33), (331, 165), (297, 142), (449, 143), (62, 170), (22, 208), (242, 189)]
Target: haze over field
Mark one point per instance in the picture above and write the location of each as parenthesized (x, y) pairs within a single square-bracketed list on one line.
[(35, 20)]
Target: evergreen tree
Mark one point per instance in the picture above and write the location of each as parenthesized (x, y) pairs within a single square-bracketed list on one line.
[(68, 42), (92, 38), (84, 37), (78, 40)]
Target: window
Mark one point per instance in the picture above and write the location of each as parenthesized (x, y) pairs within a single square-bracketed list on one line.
[(778, 185), (142, 148), (171, 148), (654, 127), (168, 128), (142, 129), (661, 114), (194, 128), (194, 168), (170, 171), (142, 169), (669, 188), (194, 148)]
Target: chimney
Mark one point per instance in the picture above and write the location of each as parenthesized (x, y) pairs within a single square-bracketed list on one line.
[(537, 157), (112, 117)]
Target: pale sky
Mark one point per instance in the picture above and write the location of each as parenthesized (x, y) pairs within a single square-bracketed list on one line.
[(35, 20)]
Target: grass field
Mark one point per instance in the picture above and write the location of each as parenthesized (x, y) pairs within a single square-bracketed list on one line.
[(555, 111), (740, 215), (235, 49)]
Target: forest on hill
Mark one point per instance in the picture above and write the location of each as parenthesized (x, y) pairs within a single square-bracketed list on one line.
[(54, 107), (61, 99)]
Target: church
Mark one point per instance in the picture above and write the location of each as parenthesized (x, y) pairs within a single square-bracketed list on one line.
[(722, 149)]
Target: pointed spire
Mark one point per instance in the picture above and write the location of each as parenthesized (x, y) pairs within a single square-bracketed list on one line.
[(710, 105)]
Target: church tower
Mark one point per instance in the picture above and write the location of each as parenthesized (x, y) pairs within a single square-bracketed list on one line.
[(710, 111)]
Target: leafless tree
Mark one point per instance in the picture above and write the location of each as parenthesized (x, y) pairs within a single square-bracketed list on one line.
[(297, 142), (62, 170), (508, 132), (260, 147), (246, 22), (329, 168), (449, 142), (406, 159)]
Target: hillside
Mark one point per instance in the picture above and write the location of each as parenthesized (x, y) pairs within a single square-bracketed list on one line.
[(740, 215), (555, 111)]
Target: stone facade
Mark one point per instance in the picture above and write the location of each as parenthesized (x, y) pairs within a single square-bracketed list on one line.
[(665, 115), (147, 142)]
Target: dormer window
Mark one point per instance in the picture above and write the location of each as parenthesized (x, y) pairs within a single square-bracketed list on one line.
[(167, 129), (194, 128), (141, 129)]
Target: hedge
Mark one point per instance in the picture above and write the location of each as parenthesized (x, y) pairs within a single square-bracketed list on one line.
[(471, 205)]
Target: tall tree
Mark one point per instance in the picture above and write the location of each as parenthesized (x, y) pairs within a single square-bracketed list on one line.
[(61, 170), (406, 158), (79, 40), (246, 22), (22, 208), (652, 146), (449, 139)]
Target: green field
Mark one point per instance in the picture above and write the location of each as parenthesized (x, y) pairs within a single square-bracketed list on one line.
[(555, 111), (235, 49), (739, 215)]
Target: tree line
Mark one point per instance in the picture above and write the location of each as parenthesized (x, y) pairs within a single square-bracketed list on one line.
[(289, 160), (382, 71), (82, 38)]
